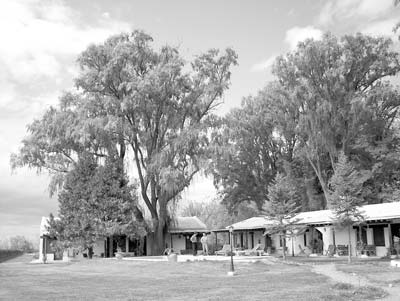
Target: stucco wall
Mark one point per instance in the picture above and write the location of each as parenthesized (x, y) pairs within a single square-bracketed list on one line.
[(178, 242), (98, 248), (341, 238)]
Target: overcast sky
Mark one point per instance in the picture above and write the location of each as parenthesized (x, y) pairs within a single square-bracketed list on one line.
[(40, 41)]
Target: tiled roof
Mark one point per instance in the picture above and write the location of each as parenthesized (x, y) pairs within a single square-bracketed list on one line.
[(252, 223), (183, 224), (383, 211), (371, 212)]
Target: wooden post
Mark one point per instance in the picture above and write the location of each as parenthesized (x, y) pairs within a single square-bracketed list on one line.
[(334, 237), (349, 246), (127, 244), (44, 248), (105, 247), (312, 240), (110, 247), (390, 238)]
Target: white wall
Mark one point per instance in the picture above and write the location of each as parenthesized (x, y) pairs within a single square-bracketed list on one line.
[(178, 242), (98, 248), (341, 238)]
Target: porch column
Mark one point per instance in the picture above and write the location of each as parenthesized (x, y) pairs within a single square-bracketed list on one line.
[(127, 244), (312, 240), (390, 238), (216, 239)]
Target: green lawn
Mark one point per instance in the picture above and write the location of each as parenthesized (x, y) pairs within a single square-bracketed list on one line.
[(379, 272), (128, 280)]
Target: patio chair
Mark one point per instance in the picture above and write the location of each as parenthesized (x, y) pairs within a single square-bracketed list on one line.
[(331, 250), (258, 250), (342, 250), (226, 249), (369, 250), (302, 251)]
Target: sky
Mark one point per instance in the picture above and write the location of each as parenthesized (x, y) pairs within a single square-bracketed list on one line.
[(41, 39)]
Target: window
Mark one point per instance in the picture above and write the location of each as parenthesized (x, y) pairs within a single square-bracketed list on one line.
[(379, 236)]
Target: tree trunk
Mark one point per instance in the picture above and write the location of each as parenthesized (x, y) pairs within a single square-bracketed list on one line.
[(317, 169), (284, 246), (159, 230), (349, 246), (158, 238), (90, 252)]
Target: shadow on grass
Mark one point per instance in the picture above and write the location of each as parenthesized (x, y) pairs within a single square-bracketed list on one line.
[(346, 291)]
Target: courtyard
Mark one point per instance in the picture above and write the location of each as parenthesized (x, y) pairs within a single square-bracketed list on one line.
[(262, 279)]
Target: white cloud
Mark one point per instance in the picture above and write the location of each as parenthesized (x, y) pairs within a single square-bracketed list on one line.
[(264, 65), (334, 11), (379, 28), (297, 34), (40, 42)]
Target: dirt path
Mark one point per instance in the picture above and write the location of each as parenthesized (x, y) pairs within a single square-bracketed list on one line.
[(330, 271)]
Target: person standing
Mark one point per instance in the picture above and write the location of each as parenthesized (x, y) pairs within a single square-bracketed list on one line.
[(204, 244), (193, 239)]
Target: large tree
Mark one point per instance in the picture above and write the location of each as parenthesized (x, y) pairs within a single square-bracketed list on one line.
[(252, 144), (339, 86), (131, 96)]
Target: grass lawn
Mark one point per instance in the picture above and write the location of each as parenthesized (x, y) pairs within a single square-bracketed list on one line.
[(133, 280), (379, 272)]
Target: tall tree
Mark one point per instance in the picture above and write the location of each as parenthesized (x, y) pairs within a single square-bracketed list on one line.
[(251, 145), (334, 81), (347, 196), (134, 97), (282, 205)]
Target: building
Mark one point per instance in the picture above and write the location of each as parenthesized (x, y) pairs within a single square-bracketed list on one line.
[(177, 238), (317, 231), (181, 229), (248, 233)]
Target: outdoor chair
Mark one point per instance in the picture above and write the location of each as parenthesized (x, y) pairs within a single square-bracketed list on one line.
[(331, 250), (302, 251), (226, 249), (258, 250), (369, 250), (342, 250)]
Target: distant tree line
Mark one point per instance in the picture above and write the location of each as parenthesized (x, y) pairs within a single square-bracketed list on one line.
[(18, 243)]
